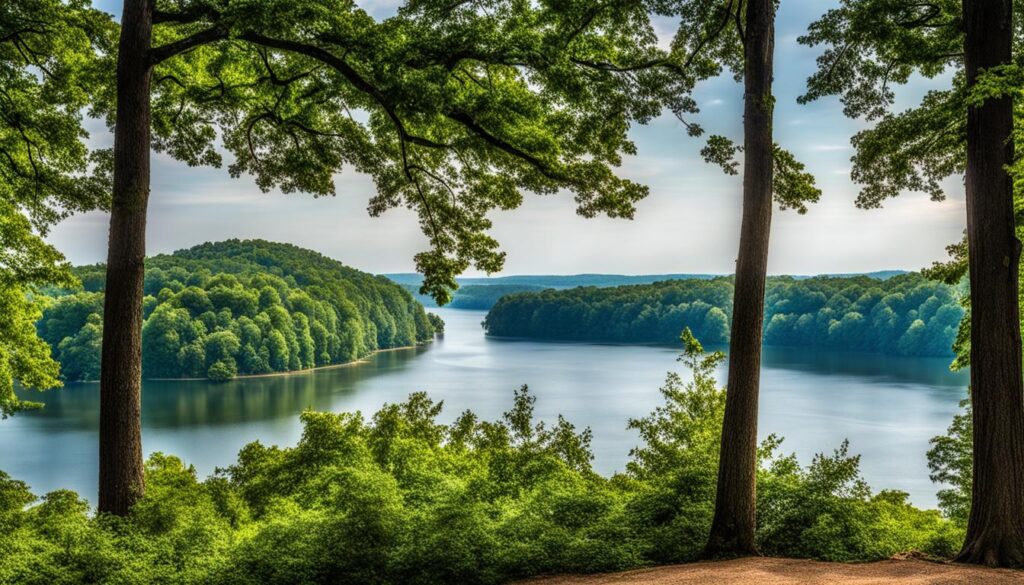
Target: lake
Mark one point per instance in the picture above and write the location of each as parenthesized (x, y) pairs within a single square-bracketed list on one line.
[(888, 407)]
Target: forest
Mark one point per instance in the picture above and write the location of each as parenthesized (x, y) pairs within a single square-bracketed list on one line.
[(239, 307), (906, 314)]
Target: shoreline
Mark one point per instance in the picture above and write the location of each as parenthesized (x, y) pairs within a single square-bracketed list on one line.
[(352, 363)]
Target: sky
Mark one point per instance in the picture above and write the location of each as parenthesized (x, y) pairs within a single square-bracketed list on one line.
[(688, 224)]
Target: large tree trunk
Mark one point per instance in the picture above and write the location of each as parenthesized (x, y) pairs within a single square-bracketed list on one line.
[(732, 530), (121, 472), (995, 530)]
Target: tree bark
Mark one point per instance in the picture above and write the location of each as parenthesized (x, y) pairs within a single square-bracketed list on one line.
[(732, 530), (995, 529), (121, 467)]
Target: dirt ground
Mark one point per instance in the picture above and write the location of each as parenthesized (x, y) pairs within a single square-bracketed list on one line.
[(770, 571)]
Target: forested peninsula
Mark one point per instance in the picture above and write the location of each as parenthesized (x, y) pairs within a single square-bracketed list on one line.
[(907, 315), (231, 308)]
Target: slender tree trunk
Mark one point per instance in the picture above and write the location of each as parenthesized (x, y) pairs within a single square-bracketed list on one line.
[(995, 530), (732, 530), (121, 477)]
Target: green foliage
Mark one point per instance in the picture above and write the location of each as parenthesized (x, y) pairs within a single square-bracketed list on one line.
[(826, 511), (462, 106), (23, 355), (873, 46), (792, 187), (904, 315), (436, 323), (53, 56), (241, 307), (950, 460), (403, 498), (678, 462)]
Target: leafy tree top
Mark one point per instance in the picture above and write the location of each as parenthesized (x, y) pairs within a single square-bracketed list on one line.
[(711, 35), (52, 56), (454, 108), (872, 46)]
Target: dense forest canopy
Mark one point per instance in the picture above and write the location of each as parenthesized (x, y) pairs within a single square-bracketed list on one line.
[(905, 315), (240, 307)]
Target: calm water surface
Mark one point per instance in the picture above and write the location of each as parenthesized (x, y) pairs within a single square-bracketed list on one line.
[(887, 407)]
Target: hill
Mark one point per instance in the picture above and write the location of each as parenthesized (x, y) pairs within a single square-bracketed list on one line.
[(240, 307)]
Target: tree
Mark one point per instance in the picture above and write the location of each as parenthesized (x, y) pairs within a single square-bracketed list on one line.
[(995, 528), (967, 129), (80, 354), (165, 332), (51, 54), (466, 108), (740, 36), (732, 529)]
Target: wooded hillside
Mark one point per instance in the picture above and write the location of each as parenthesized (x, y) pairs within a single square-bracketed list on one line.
[(240, 307)]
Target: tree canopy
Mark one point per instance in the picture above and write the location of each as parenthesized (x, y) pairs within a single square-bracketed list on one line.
[(454, 109), (53, 56)]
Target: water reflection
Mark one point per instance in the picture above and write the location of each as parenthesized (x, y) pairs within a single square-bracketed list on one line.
[(199, 403), (888, 407), (866, 366)]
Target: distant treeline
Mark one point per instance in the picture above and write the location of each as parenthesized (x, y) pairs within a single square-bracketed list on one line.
[(477, 297), (482, 293), (543, 281), (240, 307), (905, 315)]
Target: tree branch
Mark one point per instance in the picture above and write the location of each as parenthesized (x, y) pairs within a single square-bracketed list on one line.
[(159, 54)]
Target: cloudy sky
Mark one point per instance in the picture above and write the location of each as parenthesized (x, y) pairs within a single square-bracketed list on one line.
[(689, 223)]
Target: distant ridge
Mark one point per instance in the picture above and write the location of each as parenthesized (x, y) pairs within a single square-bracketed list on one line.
[(879, 274), (559, 281)]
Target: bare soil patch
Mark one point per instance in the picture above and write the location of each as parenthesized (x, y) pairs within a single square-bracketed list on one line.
[(772, 571)]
